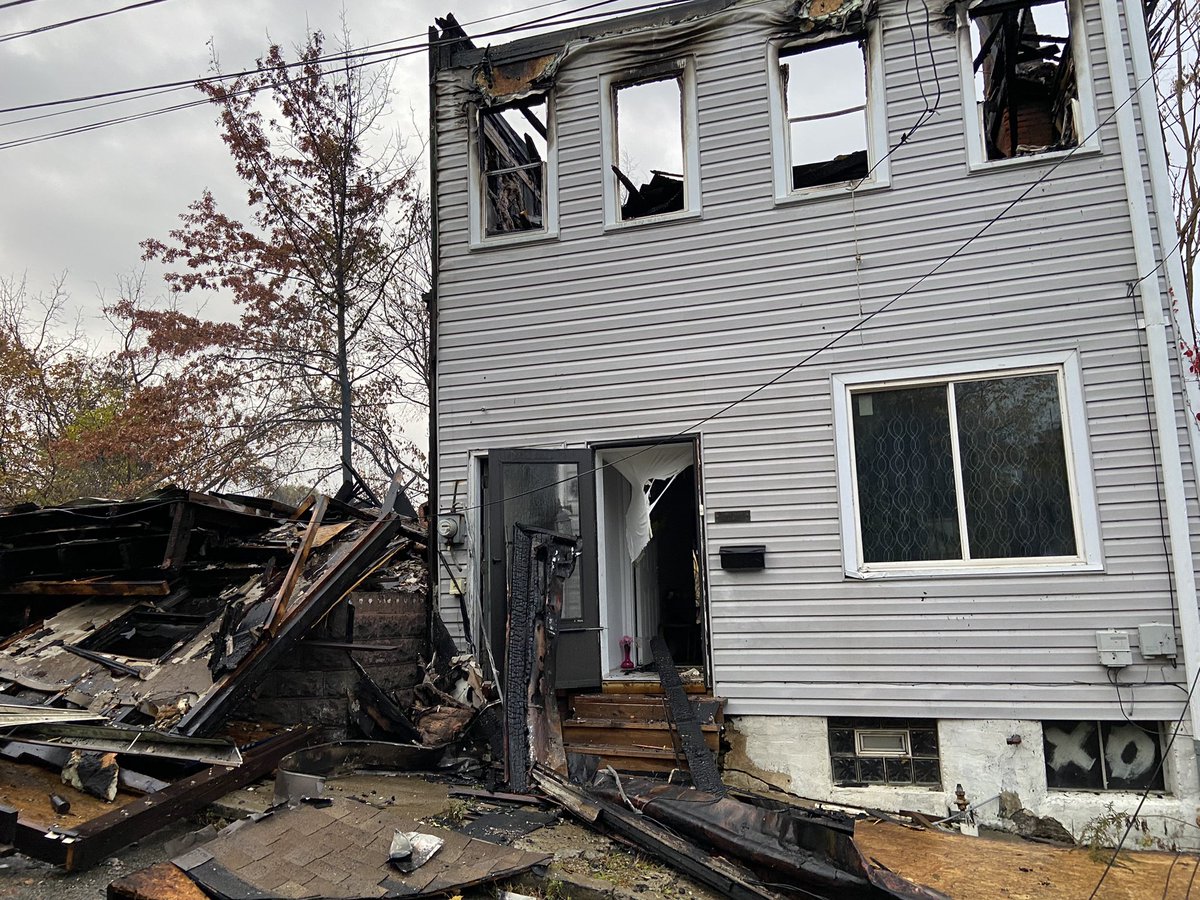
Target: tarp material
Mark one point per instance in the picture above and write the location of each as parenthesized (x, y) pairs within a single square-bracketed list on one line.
[(642, 466)]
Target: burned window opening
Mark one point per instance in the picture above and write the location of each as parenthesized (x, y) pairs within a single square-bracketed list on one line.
[(1026, 85), (649, 162), (513, 145), (824, 90)]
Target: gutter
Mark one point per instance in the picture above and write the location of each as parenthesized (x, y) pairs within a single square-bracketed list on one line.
[(1156, 335), (436, 57)]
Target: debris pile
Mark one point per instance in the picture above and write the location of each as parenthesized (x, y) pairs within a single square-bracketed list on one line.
[(135, 634)]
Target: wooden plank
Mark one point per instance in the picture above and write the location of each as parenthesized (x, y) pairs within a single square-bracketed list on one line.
[(630, 734), (646, 687), (161, 881), (98, 838), (87, 589), (284, 595)]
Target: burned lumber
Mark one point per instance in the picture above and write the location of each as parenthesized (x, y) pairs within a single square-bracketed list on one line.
[(687, 857), (682, 715), (780, 843), (541, 562), (98, 838)]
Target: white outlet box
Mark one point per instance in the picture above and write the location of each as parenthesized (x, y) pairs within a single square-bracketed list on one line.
[(1157, 640), (1113, 647)]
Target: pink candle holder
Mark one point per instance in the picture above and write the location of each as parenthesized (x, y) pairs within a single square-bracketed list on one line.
[(626, 644)]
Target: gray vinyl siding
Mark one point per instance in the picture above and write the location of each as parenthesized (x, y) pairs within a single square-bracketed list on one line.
[(644, 331)]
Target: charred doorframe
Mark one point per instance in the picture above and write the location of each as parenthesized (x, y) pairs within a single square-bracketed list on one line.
[(977, 158), (603, 472), (878, 164), (683, 68)]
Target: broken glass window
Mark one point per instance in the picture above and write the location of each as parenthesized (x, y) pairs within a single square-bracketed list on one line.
[(513, 155), (649, 163), (825, 102), (1026, 89)]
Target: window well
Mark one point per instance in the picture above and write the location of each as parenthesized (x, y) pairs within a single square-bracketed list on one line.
[(825, 102), (513, 167), (1026, 90), (649, 164)]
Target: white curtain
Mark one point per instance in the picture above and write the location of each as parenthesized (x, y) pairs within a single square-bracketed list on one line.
[(642, 467)]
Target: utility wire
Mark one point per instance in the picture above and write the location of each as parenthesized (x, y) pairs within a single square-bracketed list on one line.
[(14, 3), (560, 18), (100, 15), (142, 93)]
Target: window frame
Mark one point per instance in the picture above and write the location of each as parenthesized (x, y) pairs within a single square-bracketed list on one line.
[(1166, 770), (476, 196), (1077, 454), (683, 68), (878, 162), (977, 160)]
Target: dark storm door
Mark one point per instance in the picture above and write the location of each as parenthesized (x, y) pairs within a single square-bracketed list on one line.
[(554, 490)]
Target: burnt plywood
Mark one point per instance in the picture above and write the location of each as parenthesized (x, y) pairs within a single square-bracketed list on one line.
[(969, 868), (341, 852), (28, 789)]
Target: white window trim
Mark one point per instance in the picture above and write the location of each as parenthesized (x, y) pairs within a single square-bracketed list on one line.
[(977, 160), (479, 238), (1080, 479), (685, 69), (877, 149)]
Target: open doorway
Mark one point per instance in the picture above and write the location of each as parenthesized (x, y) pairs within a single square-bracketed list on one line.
[(651, 582)]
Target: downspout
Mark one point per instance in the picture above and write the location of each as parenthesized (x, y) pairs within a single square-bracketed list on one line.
[(1156, 344), (436, 50), (1160, 192)]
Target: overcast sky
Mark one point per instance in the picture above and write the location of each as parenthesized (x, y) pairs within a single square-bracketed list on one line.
[(81, 203)]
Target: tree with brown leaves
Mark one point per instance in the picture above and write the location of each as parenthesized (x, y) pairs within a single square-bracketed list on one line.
[(325, 357)]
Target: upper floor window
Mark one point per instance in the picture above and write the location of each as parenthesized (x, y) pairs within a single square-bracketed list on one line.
[(827, 106), (971, 469), (650, 146), (1027, 72), (515, 171)]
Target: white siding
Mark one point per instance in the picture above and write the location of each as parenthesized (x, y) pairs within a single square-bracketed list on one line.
[(644, 331)]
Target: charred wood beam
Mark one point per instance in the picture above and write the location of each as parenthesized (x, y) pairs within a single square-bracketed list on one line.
[(87, 589), (682, 715), (94, 840), (284, 594), (337, 579), (698, 863), (102, 659)]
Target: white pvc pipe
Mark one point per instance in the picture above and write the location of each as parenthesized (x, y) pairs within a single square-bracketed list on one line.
[(1157, 348)]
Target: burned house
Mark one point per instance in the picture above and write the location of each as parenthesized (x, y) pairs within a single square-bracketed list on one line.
[(840, 337)]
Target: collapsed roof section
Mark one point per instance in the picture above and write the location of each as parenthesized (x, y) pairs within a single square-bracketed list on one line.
[(163, 612)]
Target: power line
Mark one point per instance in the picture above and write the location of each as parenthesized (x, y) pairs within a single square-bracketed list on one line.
[(14, 3), (141, 93), (360, 53), (63, 24)]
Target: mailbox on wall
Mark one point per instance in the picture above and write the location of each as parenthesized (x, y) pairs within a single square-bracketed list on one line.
[(744, 556)]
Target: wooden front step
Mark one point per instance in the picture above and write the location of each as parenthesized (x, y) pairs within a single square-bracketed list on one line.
[(635, 735), (642, 707), (646, 687), (631, 759)]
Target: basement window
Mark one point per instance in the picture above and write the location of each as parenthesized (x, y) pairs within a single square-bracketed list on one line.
[(1027, 69), (514, 144), (1103, 756), (866, 752), (650, 145)]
